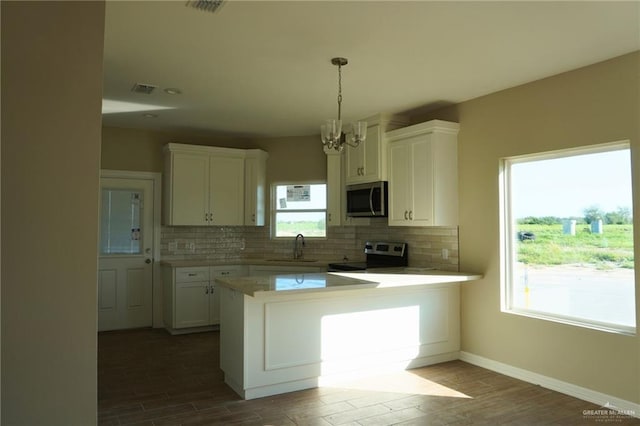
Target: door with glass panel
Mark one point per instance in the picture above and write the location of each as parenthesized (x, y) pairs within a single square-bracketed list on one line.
[(125, 277)]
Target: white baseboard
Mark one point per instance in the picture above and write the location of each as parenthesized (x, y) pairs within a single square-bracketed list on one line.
[(601, 399)]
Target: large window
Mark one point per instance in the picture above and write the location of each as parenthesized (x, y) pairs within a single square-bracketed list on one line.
[(299, 209), (568, 237)]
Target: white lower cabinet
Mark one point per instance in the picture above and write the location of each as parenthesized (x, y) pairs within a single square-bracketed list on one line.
[(191, 297), (193, 304)]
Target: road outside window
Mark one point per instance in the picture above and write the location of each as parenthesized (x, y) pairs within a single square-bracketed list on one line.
[(567, 237)]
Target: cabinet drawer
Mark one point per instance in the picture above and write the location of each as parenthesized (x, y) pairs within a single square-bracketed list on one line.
[(227, 271), (187, 275)]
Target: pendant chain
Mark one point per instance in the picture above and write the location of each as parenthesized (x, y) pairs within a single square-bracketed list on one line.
[(339, 91)]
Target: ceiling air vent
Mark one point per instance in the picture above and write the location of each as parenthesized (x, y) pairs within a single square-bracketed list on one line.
[(205, 5), (143, 88)]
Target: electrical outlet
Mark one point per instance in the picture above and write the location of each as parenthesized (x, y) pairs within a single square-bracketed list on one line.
[(445, 253)]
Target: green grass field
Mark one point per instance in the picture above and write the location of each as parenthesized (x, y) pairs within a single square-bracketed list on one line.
[(308, 229), (611, 249)]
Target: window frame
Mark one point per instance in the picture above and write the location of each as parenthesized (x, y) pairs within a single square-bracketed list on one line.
[(508, 244), (275, 210)]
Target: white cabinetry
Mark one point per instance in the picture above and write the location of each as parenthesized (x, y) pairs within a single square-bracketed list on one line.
[(206, 185), (368, 161), (191, 298), (423, 175), (335, 189), (255, 171)]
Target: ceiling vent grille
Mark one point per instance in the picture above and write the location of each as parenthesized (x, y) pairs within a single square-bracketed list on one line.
[(143, 88), (205, 5)]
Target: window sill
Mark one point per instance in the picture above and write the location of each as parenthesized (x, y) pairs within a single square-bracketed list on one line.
[(576, 322)]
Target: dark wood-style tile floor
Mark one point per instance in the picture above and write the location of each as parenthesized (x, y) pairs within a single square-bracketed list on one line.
[(147, 377)]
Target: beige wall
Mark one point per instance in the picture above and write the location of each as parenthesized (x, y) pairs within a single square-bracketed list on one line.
[(51, 91), (596, 104), (141, 150), (292, 158)]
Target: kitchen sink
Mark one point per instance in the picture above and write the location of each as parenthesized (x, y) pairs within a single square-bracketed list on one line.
[(288, 259)]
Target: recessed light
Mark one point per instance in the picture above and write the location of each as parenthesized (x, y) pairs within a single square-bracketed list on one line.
[(172, 91), (149, 115)]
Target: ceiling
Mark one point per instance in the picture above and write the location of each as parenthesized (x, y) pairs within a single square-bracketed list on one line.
[(263, 68)]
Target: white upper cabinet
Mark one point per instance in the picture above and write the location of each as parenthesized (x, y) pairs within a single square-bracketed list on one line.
[(255, 187), (206, 185), (226, 190), (423, 175), (368, 161), (186, 189), (334, 188)]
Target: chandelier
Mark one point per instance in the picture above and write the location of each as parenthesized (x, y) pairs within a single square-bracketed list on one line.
[(331, 131)]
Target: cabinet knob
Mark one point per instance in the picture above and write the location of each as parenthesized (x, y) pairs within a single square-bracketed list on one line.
[(206, 291), (406, 215), (410, 214)]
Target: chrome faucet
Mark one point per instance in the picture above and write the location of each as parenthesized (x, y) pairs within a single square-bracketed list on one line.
[(298, 245)]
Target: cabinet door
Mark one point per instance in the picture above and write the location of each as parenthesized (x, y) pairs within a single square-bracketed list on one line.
[(400, 182), (189, 196), (334, 189), (354, 163), (255, 190), (421, 197), (371, 168), (226, 177), (363, 164), (192, 304)]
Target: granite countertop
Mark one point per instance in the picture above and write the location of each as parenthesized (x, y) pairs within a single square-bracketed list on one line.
[(263, 286)]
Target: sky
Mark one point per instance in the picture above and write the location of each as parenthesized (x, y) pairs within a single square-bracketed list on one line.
[(564, 187)]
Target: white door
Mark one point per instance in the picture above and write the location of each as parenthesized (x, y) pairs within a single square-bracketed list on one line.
[(125, 269)]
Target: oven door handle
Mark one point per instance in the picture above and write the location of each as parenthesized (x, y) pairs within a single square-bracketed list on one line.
[(371, 201)]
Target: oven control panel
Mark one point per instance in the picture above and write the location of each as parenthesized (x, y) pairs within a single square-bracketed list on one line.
[(385, 248)]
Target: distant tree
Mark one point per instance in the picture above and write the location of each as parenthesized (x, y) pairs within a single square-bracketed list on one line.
[(622, 216), (544, 220), (593, 213)]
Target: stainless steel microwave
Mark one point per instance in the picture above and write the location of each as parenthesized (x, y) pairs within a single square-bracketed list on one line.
[(367, 200)]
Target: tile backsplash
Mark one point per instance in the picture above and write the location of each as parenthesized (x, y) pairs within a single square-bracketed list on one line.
[(427, 245)]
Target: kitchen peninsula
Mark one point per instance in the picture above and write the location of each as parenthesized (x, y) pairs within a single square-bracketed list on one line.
[(282, 333)]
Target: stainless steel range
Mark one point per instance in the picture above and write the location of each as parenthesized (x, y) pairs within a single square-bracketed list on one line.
[(379, 255)]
